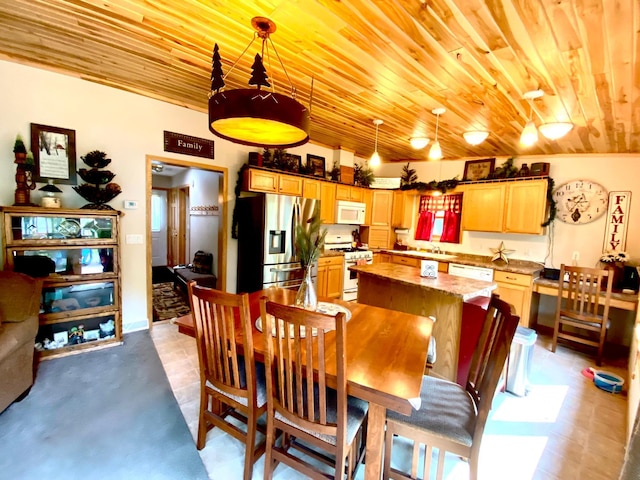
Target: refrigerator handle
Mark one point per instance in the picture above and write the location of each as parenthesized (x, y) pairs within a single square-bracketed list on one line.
[(294, 224)]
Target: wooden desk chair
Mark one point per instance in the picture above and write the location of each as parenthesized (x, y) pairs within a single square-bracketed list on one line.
[(452, 418), (230, 383), (299, 403), (581, 308)]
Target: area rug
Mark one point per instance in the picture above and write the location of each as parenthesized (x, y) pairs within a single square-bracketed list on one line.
[(168, 302), (106, 414)]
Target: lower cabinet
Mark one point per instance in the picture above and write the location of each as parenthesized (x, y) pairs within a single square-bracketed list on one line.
[(330, 275), (403, 260), (516, 289), (381, 258)]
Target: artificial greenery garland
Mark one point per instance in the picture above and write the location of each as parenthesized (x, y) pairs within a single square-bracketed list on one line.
[(238, 189), (553, 207), (444, 185)]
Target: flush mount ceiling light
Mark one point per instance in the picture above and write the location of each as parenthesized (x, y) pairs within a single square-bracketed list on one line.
[(157, 167), (418, 143), (529, 134), (555, 130), (256, 116), (374, 161), (475, 137), (435, 152)]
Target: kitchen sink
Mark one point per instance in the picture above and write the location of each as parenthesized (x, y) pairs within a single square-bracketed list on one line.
[(426, 255)]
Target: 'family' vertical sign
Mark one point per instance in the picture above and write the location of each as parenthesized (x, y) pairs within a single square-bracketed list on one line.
[(615, 234)]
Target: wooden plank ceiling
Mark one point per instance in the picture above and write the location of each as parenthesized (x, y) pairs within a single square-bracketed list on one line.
[(395, 60)]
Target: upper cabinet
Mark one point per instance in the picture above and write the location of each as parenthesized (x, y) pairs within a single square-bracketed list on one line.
[(311, 188), (381, 207), (506, 207), (328, 202), (402, 214), (270, 182), (349, 192)]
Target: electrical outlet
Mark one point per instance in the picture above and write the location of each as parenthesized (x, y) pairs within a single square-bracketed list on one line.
[(575, 256)]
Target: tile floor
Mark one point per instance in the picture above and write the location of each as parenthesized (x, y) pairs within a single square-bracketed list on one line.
[(565, 428)]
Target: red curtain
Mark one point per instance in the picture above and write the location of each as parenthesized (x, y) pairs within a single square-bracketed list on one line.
[(425, 225), (452, 207)]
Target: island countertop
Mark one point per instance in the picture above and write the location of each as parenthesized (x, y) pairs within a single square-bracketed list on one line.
[(460, 287)]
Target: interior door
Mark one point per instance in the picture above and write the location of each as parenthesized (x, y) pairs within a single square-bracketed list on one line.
[(172, 227), (159, 232)]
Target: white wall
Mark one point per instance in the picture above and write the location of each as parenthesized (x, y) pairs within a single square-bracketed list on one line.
[(125, 126)]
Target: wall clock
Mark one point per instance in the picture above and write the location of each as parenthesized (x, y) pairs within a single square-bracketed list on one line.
[(580, 201)]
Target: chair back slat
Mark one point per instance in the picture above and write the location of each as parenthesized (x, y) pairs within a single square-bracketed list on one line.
[(583, 289), (490, 357), (221, 321), (296, 365)]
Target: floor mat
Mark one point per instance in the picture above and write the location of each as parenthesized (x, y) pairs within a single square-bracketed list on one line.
[(161, 275), (168, 302)]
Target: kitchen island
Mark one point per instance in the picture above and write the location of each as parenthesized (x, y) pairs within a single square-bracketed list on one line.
[(452, 300)]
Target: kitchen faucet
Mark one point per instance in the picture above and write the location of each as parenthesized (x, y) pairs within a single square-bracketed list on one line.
[(435, 248)]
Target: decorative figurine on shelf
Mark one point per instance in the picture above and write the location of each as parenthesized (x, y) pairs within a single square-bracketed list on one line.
[(76, 335), (49, 196), (99, 188), (24, 173)]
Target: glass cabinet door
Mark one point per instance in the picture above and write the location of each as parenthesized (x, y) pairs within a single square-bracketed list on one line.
[(56, 299), (86, 260), (45, 227)]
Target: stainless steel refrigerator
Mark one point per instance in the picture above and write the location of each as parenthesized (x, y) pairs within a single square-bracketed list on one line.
[(266, 235)]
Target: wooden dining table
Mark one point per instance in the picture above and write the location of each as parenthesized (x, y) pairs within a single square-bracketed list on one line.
[(386, 354)]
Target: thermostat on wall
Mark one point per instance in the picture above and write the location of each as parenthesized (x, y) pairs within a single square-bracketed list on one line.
[(130, 204)]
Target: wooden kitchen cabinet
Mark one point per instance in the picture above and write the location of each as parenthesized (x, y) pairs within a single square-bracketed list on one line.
[(526, 207), (516, 289), (328, 202), (381, 206), (376, 236), (517, 206), (311, 188), (348, 192), (404, 260), (483, 207), (381, 258), (367, 199), (330, 275), (270, 182), (402, 211)]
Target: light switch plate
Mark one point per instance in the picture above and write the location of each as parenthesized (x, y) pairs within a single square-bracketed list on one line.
[(133, 239)]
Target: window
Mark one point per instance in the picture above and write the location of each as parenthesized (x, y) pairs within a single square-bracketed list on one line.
[(439, 218), (157, 212)]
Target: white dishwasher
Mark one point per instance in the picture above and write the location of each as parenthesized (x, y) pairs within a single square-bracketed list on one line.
[(470, 271)]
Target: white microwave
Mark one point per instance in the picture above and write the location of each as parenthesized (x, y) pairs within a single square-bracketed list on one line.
[(350, 213)]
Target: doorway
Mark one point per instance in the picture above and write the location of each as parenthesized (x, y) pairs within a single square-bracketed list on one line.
[(171, 220)]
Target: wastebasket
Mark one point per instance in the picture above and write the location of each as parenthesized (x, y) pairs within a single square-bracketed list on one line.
[(520, 361)]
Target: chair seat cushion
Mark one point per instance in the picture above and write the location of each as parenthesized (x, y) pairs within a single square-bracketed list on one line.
[(261, 385), (356, 412), (446, 411), (591, 324)]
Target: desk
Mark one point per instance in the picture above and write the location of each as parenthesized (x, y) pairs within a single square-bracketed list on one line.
[(623, 301), (385, 376)]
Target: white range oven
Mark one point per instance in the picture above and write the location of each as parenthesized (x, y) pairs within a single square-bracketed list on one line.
[(352, 256)]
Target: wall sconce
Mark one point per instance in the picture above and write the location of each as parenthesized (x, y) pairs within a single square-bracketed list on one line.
[(475, 137), (418, 143), (374, 161), (435, 153)]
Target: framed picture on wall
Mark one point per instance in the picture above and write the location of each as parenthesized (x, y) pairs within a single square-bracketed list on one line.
[(478, 169), (54, 153), (316, 165)]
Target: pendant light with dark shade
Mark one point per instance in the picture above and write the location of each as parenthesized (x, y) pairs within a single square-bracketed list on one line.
[(256, 116)]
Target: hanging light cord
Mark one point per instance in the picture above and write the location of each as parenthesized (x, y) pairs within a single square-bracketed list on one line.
[(376, 145), (437, 121)]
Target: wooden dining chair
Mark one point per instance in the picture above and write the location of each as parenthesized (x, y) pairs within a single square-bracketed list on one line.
[(583, 309), (452, 418), (310, 414), (231, 385)]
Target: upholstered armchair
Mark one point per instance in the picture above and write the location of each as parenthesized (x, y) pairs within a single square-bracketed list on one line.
[(19, 307)]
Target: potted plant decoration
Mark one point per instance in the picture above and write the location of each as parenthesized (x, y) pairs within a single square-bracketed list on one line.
[(309, 241)]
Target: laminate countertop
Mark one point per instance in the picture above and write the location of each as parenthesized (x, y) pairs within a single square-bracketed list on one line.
[(515, 266), (450, 285)]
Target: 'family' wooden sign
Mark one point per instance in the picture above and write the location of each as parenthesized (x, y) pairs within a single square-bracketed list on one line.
[(615, 233), (187, 145)]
